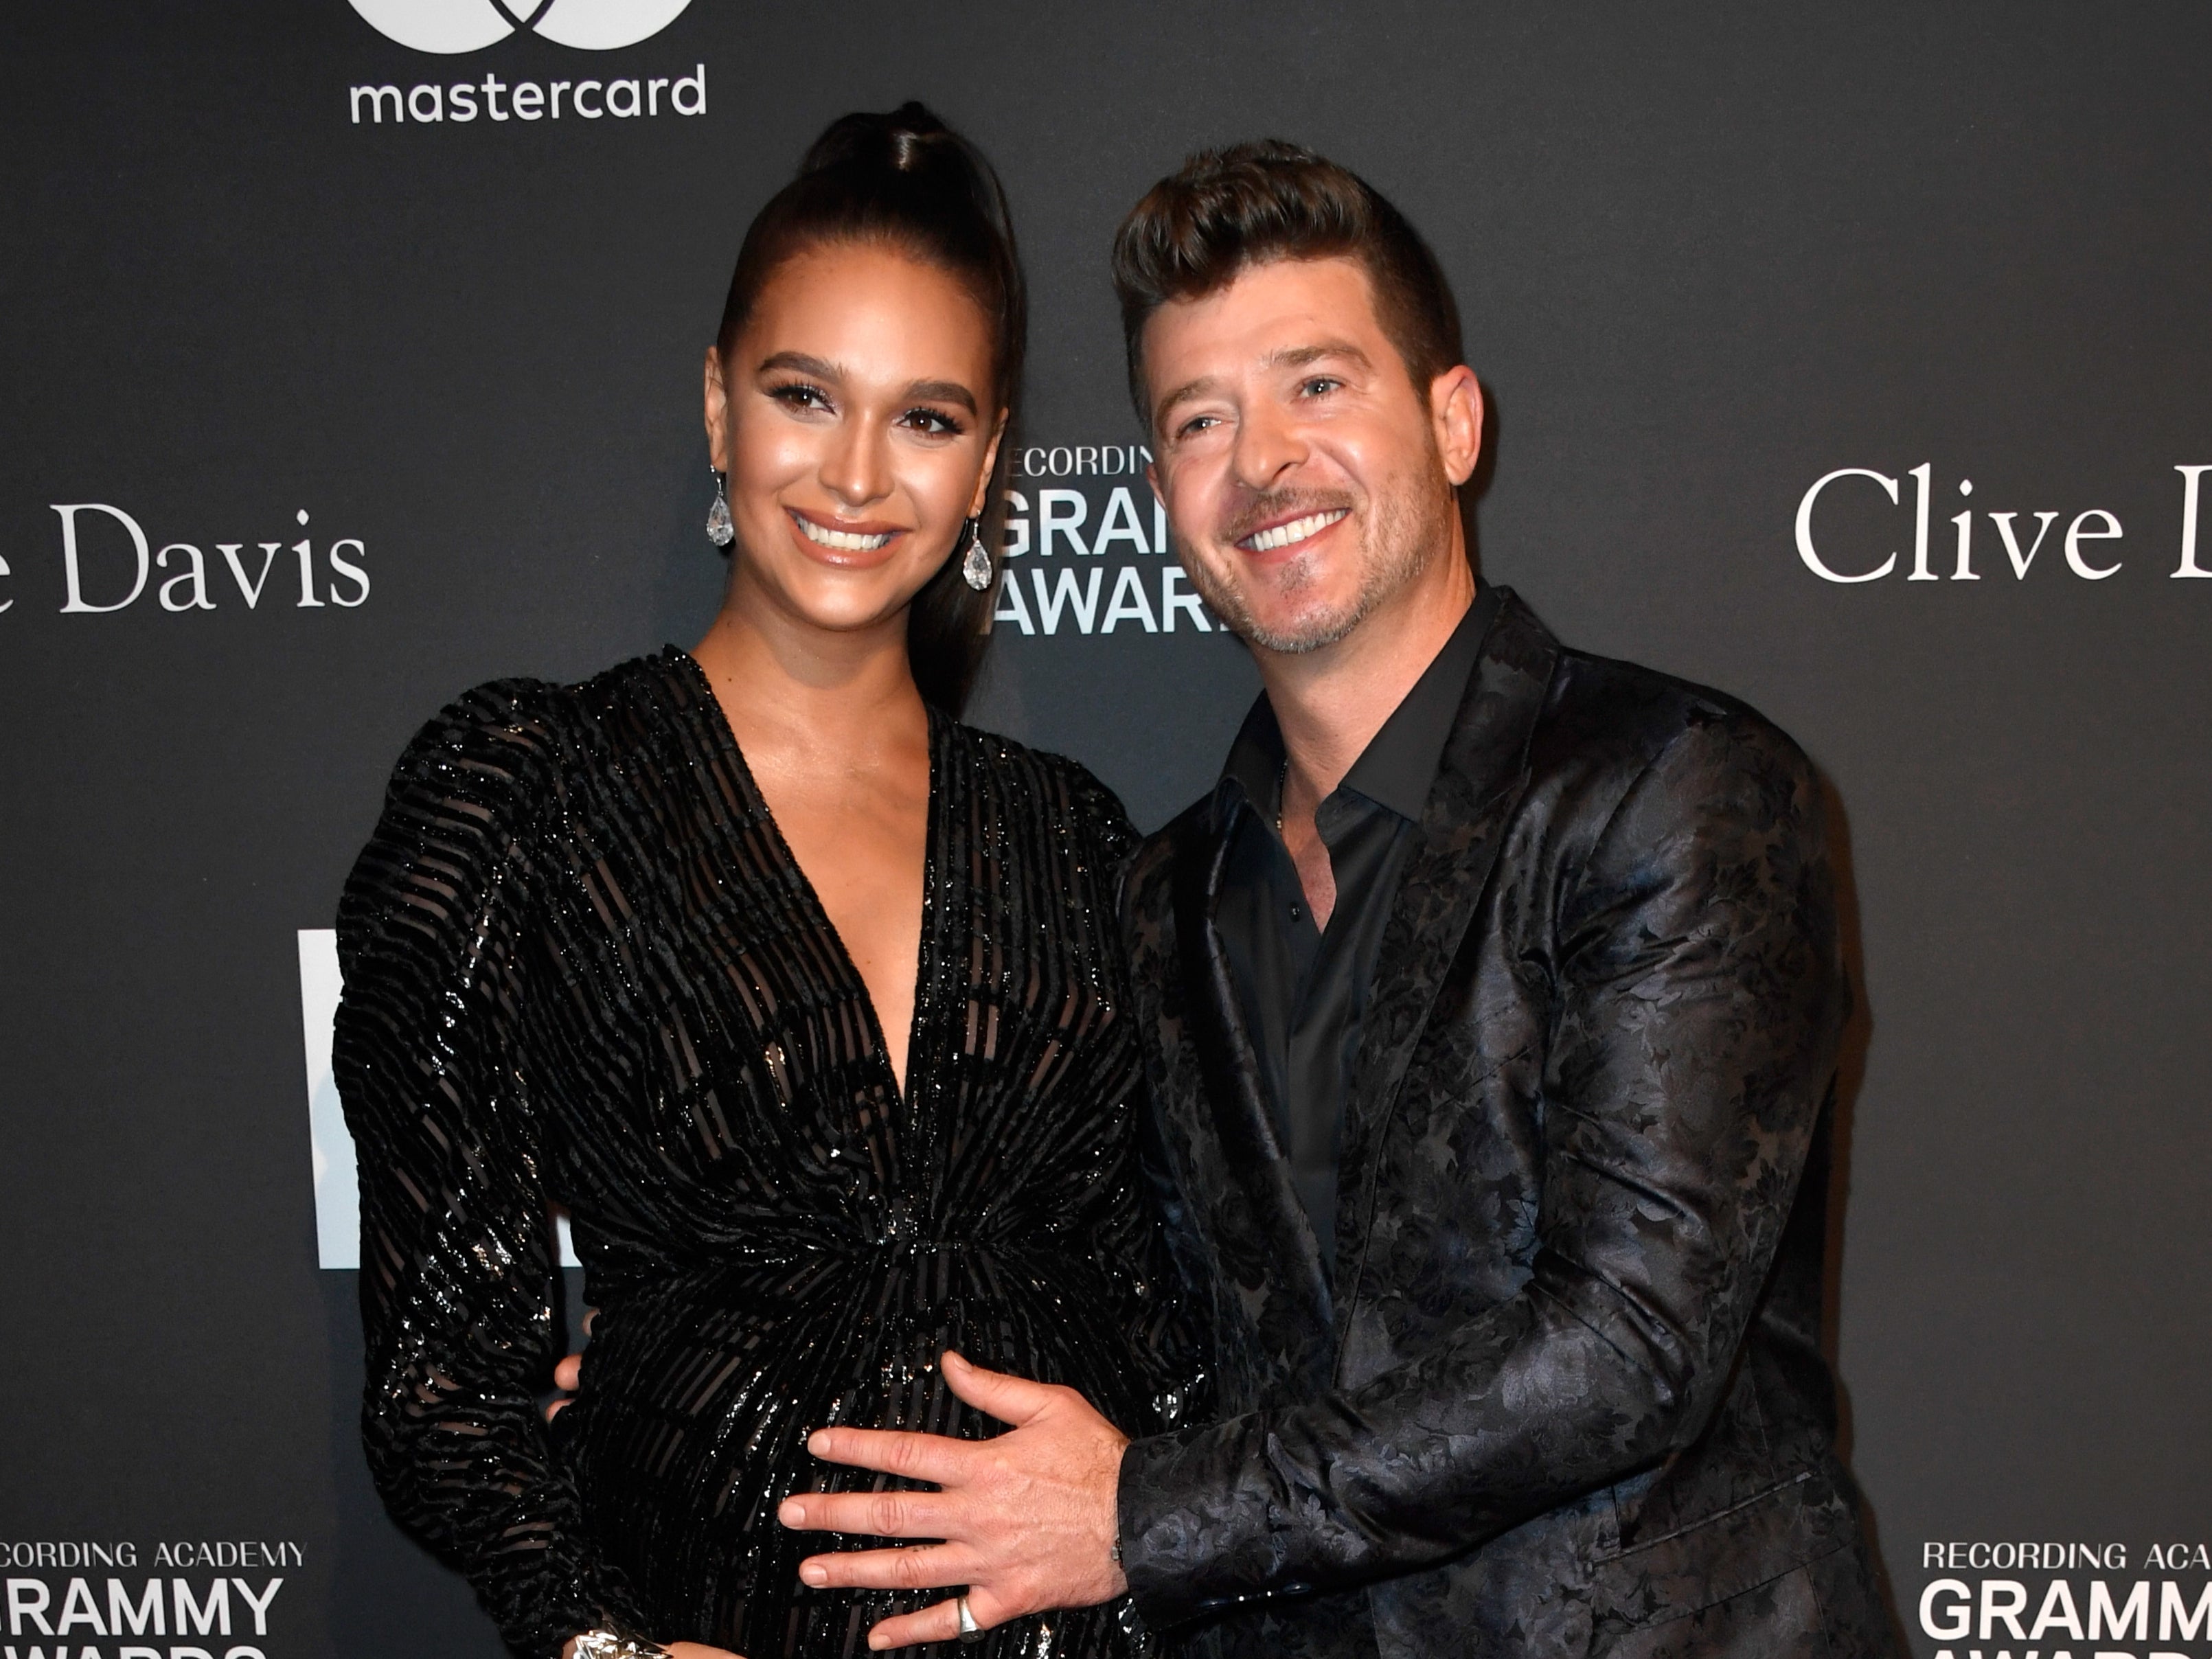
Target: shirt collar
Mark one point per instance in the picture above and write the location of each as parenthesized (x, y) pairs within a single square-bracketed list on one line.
[(1400, 763), (1254, 769)]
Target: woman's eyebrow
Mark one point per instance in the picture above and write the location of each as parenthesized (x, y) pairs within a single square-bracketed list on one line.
[(942, 391), (802, 363)]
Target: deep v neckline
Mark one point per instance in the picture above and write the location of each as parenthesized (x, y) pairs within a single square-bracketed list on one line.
[(727, 737)]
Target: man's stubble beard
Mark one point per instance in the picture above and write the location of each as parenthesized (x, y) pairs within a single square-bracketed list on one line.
[(1407, 530)]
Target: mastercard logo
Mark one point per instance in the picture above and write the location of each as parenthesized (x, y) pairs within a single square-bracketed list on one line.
[(448, 27)]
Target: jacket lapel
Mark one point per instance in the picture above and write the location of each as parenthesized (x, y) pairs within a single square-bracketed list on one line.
[(1295, 1321), (1478, 788)]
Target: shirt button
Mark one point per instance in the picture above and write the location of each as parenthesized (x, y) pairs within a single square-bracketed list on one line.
[(1296, 912)]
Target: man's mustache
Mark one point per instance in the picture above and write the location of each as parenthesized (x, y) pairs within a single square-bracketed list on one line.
[(1280, 506)]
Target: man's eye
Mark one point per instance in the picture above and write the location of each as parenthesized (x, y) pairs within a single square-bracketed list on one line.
[(1321, 386), (1196, 424)]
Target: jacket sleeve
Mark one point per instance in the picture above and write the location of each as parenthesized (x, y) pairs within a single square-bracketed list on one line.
[(456, 1271), (1697, 998)]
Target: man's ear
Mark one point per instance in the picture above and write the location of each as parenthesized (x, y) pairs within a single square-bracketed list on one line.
[(718, 412), (1455, 414)]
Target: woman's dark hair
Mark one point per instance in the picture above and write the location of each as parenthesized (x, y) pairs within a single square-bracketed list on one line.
[(906, 180), (1225, 210)]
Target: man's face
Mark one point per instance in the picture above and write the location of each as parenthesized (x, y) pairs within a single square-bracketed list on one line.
[(1306, 477)]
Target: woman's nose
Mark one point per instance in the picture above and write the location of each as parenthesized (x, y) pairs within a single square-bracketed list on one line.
[(857, 470)]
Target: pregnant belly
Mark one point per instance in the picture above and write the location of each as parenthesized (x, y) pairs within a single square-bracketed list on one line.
[(699, 1393)]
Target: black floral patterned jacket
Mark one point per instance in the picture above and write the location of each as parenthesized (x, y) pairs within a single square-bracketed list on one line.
[(1566, 1394)]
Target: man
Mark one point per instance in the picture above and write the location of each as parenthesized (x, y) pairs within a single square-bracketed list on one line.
[(1492, 999)]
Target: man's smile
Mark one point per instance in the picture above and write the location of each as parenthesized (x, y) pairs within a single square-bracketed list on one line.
[(1280, 536)]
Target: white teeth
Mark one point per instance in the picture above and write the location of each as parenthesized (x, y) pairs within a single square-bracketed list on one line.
[(1297, 530), (844, 541)]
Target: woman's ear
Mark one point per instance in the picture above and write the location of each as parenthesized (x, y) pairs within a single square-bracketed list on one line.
[(982, 502), (718, 411)]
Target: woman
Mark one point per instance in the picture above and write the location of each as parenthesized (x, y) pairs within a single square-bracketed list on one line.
[(803, 998)]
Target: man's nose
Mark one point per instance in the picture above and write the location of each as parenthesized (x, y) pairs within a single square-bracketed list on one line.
[(1268, 446)]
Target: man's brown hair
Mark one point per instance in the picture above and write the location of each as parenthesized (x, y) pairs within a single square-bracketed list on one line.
[(1225, 210)]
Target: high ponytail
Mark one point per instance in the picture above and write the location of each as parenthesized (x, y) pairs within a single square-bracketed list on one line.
[(908, 180)]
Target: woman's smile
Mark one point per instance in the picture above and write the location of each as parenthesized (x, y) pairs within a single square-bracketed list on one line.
[(861, 538)]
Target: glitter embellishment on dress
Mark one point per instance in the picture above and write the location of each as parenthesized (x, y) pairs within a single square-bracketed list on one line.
[(582, 968)]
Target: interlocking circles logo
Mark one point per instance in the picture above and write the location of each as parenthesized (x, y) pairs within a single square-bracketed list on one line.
[(447, 26)]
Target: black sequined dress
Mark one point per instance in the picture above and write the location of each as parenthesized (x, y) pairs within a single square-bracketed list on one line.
[(581, 967)]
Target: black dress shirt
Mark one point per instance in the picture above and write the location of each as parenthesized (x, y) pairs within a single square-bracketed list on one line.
[(1304, 988)]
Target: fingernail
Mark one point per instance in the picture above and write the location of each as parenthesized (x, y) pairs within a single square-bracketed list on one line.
[(815, 1574), (876, 1641), (815, 1441), (792, 1512)]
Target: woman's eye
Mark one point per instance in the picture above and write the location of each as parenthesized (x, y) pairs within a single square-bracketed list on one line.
[(799, 395), (935, 422)]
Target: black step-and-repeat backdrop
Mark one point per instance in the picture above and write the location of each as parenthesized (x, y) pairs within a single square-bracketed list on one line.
[(1859, 362)]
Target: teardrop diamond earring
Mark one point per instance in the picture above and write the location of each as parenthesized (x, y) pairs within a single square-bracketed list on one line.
[(975, 567), (721, 530)]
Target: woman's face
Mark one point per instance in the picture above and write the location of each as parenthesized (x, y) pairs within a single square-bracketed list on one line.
[(855, 419)]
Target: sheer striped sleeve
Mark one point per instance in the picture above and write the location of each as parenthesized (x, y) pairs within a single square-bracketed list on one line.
[(457, 1268)]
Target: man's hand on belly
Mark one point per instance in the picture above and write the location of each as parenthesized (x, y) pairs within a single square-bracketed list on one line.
[(1027, 1520)]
